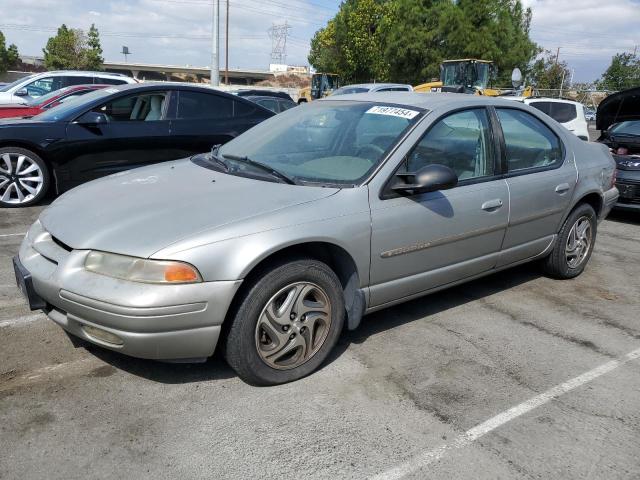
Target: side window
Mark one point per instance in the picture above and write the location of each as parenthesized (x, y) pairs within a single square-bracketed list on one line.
[(42, 86), (544, 107), (529, 142), (109, 81), (68, 97), (69, 81), (560, 111), (462, 141), (286, 105), (145, 107), (200, 105), (269, 103), (394, 89)]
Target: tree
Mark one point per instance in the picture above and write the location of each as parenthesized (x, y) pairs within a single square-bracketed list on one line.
[(351, 43), (94, 51), (73, 49), (623, 73), (547, 73), (406, 40), (9, 57)]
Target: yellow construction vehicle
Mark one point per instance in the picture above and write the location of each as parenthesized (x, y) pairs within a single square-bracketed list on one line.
[(470, 75), (322, 84)]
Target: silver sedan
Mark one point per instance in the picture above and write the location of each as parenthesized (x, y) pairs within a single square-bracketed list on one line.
[(270, 245)]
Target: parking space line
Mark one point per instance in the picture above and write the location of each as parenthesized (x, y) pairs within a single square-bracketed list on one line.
[(12, 234), (24, 320), (424, 459)]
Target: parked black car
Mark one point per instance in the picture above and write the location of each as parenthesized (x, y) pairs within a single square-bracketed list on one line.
[(115, 129), (275, 104), (618, 119)]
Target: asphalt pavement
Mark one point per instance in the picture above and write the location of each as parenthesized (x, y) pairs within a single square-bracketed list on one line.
[(513, 376)]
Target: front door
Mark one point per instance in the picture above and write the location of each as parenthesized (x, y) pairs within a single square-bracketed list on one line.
[(423, 241), (136, 133)]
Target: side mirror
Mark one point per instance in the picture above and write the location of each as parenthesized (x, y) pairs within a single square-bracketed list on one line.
[(22, 93), (428, 179), (92, 119)]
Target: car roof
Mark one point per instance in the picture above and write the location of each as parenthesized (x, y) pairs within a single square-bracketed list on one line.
[(553, 100), (371, 86), (429, 101), (267, 97), (75, 73)]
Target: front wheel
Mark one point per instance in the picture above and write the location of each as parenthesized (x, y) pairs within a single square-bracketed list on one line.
[(574, 244), (286, 324), (24, 177)]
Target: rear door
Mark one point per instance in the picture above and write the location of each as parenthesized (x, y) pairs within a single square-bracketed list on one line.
[(204, 119), (541, 176), (136, 133)]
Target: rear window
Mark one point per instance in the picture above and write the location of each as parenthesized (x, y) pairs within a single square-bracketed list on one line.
[(561, 112)]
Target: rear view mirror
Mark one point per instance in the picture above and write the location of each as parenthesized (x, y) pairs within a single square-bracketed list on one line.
[(92, 119), (428, 179), (22, 93)]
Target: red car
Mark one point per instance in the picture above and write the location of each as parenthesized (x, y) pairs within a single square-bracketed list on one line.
[(45, 102)]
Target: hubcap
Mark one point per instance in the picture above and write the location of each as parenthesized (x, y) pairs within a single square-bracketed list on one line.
[(21, 178), (578, 242), (293, 325)]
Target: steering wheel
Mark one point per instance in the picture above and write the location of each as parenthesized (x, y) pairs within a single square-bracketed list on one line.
[(374, 151)]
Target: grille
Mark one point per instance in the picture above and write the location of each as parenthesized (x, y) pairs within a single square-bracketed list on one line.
[(629, 192)]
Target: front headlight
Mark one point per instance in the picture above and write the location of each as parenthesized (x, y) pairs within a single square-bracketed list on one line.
[(141, 270)]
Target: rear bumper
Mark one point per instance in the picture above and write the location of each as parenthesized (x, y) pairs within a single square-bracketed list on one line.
[(162, 322), (610, 198)]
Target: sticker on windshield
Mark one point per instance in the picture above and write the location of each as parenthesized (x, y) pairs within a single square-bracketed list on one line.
[(393, 111)]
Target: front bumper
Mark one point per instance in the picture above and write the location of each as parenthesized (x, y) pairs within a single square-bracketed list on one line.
[(162, 322), (628, 183)]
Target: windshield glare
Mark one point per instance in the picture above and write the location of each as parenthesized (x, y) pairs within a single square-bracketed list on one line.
[(327, 142), (9, 86), (60, 111), (628, 127)]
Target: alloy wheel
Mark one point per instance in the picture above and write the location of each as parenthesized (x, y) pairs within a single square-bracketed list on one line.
[(21, 178), (293, 325), (578, 242)]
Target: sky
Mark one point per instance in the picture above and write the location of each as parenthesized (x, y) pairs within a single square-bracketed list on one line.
[(178, 32)]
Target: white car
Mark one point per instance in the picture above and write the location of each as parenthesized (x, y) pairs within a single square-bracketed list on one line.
[(568, 113), (38, 84), (372, 87)]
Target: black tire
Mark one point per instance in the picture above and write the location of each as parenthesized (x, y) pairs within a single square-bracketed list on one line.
[(240, 349), (556, 264), (39, 162)]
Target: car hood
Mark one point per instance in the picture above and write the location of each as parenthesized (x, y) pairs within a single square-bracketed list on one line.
[(141, 211), (618, 107)]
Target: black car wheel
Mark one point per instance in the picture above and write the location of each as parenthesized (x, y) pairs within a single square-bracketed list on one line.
[(24, 177), (286, 323)]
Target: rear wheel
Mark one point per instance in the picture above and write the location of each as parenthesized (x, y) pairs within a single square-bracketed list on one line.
[(286, 324), (24, 177), (574, 244)]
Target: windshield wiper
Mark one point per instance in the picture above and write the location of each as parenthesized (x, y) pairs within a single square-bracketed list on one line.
[(272, 171), (213, 155)]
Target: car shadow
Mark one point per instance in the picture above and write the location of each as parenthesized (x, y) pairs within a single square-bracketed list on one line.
[(624, 216), (215, 368)]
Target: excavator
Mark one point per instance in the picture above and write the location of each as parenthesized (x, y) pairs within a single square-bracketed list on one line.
[(472, 76), (322, 84)]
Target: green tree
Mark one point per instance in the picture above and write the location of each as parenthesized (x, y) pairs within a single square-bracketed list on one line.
[(352, 42), (94, 51), (9, 57), (623, 73), (73, 49), (546, 73)]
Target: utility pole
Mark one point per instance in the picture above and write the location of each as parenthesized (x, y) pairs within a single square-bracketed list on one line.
[(215, 48), (557, 55), (226, 48), (635, 49)]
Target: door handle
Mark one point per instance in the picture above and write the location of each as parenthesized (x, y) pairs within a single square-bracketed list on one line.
[(562, 188), (491, 205)]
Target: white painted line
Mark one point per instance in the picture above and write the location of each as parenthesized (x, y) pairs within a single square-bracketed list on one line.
[(424, 459), (13, 234), (24, 320)]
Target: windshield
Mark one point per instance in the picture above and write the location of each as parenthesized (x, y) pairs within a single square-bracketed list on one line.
[(9, 86), (468, 74), (328, 142), (629, 127), (34, 102), (348, 90), (60, 111)]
